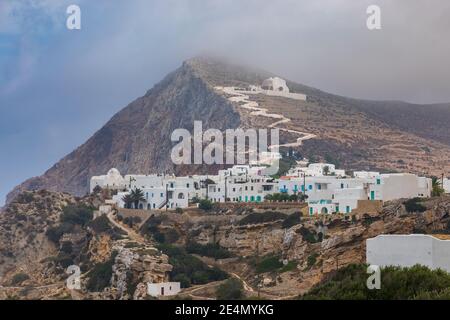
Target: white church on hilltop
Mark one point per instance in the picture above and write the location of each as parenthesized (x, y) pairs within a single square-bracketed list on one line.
[(113, 180), (273, 86)]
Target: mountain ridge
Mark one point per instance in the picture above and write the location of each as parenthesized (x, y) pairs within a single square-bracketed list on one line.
[(133, 140)]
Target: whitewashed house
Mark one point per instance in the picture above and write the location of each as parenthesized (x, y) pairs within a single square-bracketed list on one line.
[(408, 250), (446, 185), (316, 170), (163, 289), (331, 193)]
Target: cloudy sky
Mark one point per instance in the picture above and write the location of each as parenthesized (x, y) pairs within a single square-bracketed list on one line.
[(57, 87)]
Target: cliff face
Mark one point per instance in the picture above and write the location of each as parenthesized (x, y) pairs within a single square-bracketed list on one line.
[(357, 134)]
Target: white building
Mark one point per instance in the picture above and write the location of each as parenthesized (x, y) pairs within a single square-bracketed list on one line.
[(328, 189), (316, 170), (408, 250), (163, 289), (446, 185), (275, 84), (113, 180), (329, 194)]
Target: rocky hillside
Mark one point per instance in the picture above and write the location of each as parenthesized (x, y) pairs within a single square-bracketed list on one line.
[(43, 233), (257, 240), (354, 133)]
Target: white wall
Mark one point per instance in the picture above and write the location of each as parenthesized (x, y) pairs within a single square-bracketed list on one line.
[(163, 289), (447, 185), (408, 250)]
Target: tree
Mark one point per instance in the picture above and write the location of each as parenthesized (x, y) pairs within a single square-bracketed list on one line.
[(231, 289), (205, 204), (326, 170), (437, 189), (128, 200), (137, 195)]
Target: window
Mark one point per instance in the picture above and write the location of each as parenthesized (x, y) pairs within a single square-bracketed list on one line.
[(347, 209), (337, 209), (162, 195), (342, 186), (251, 188), (378, 181), (187, 185), (310, 210), (319, 186), (310, 187), (252, 198)]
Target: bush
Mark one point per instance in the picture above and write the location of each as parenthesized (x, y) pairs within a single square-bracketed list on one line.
[(231, 289), (269, 264), (308, 235), (414, 205), (18, 278), (312, 259), (281, 197), (66, 247), (291, 265), (55, 233), (100, 224), (179, 210), (100, 275), (417, 282), (213, 250), (268, 216), (189, 268), (205, 204), (292, 220), (77, 214)]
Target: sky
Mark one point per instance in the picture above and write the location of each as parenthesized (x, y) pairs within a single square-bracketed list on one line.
[(58, 86)]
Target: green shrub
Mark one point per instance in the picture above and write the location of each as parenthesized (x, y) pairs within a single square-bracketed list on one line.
[(213, 250), (414, 205), (18, 278), (66, 247), (231, 289), (179, 210), (292, 220), (268, 216), (281, 197), (100, 275), (290, 266), (312, 259), (205, 204), (417, 282), (308, 235), (269, 264), (190, 268), (100, 224), (55, 233), (77, 214)]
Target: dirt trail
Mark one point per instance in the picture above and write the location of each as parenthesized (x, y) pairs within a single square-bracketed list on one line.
[(133, 235), (244, 102)]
